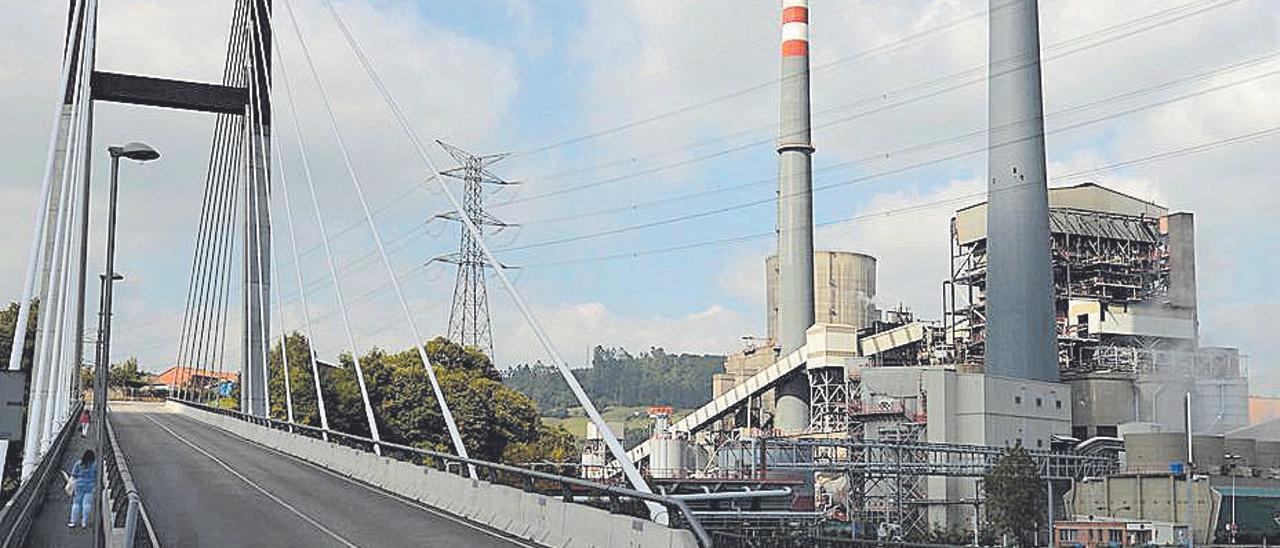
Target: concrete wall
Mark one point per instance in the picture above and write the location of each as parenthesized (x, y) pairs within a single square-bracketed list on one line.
[(1102, 400), (534, 517), (1154, 497)]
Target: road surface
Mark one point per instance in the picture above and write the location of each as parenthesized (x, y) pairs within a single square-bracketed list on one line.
[(205, 487)]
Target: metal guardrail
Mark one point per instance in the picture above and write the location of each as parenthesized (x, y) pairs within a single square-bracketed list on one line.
[(622, 500), (126, 509), (16, 517)]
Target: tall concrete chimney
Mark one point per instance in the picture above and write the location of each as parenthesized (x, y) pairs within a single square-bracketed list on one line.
[(1021, 336), (795, 212)]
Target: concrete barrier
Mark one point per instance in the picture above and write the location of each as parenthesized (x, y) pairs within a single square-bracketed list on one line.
[(537, 518)]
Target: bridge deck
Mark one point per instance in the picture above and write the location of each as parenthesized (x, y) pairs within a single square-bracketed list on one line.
[(204, 487)]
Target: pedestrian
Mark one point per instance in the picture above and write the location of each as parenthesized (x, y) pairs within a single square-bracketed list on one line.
[(84, 423), (85, 474)]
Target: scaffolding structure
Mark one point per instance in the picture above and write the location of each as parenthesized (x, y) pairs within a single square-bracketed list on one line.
[(884, 481), (1116, 260)]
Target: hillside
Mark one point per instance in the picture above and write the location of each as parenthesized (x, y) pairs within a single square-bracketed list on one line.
[(617, 378)]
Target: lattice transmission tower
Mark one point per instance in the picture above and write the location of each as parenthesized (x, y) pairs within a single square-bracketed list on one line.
[(469, 323)]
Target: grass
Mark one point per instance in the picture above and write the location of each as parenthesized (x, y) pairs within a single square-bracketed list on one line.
[(634, 418)]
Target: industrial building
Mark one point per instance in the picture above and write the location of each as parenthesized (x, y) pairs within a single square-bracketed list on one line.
[(1069, 326), (1124, 286)]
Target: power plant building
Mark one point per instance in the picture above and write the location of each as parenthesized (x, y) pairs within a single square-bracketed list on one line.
[(1125, 313), (1069, 327)]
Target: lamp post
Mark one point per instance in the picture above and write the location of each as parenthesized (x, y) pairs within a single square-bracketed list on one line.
[(138, 152), (1232, 462)]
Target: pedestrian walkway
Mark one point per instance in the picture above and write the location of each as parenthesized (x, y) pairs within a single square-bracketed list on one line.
[(50, 526)]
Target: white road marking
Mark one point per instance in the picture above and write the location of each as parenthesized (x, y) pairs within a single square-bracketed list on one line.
[(397, 498), (254, 485)]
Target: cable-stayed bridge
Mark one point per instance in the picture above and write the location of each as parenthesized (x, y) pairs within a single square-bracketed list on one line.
[(236, 218), (185, 472)]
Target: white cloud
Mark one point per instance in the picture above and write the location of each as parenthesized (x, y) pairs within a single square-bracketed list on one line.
[(430, 68)]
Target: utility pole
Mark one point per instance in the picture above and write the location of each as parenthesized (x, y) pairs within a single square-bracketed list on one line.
[(469, 322)]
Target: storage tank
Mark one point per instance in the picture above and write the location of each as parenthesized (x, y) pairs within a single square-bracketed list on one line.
[(844, 289), (1268, 454), (1154, 451), (667, 458), (1245, 448)]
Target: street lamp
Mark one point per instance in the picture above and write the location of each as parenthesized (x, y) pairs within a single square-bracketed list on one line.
[(138, 152), (1232, 461)]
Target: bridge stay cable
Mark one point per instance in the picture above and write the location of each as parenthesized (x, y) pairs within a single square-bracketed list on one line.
[(265, 156), (258, 150), (308, 176), (210, 207), (205, 295), (45, 369), (306, 311), (611, 441), (419, 343)]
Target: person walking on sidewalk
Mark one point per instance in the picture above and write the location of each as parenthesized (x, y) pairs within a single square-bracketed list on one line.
[(84, 423), (85, 473)]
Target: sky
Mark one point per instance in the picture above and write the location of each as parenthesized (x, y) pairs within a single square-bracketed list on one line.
[(641, 133)]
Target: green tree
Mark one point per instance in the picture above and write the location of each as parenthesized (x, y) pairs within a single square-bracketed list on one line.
[(489, 415), (1016, 495), (616, 377), (8, 327), (126, 374), (302, 388), (553, 444)]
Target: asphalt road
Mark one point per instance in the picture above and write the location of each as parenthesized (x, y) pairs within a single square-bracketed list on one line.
[(204, 487)]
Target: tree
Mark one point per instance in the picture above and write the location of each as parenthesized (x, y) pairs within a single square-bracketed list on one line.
[(125, 374), (489, 415), (1016, 495), (616, 377), (8, 328), (553, 444)]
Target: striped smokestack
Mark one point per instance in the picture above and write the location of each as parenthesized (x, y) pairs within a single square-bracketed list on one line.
[(795, 211), (1021, 340)]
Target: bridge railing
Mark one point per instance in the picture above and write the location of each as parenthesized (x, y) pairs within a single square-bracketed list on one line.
[(22, 508), (616, 499), (126, 523)]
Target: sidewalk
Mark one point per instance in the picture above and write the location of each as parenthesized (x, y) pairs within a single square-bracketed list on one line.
[(50, 526)]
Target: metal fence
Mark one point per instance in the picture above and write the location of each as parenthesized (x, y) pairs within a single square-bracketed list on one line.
[(616, 499), (126, 511), (15, 519)]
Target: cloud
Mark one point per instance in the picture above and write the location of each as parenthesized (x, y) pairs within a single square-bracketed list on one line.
[(160, 202)]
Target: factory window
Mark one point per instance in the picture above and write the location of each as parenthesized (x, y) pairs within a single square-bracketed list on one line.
[(1039, 402), (1039, 443), (1058, 404), (1017, 400)]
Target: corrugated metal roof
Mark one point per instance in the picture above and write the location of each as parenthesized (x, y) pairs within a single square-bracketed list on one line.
[(1074, 222)]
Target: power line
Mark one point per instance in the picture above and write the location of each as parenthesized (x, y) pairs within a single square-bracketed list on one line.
[(870, 177), (915, 148), (975, 76), (1196, 149), (1175, 13)]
